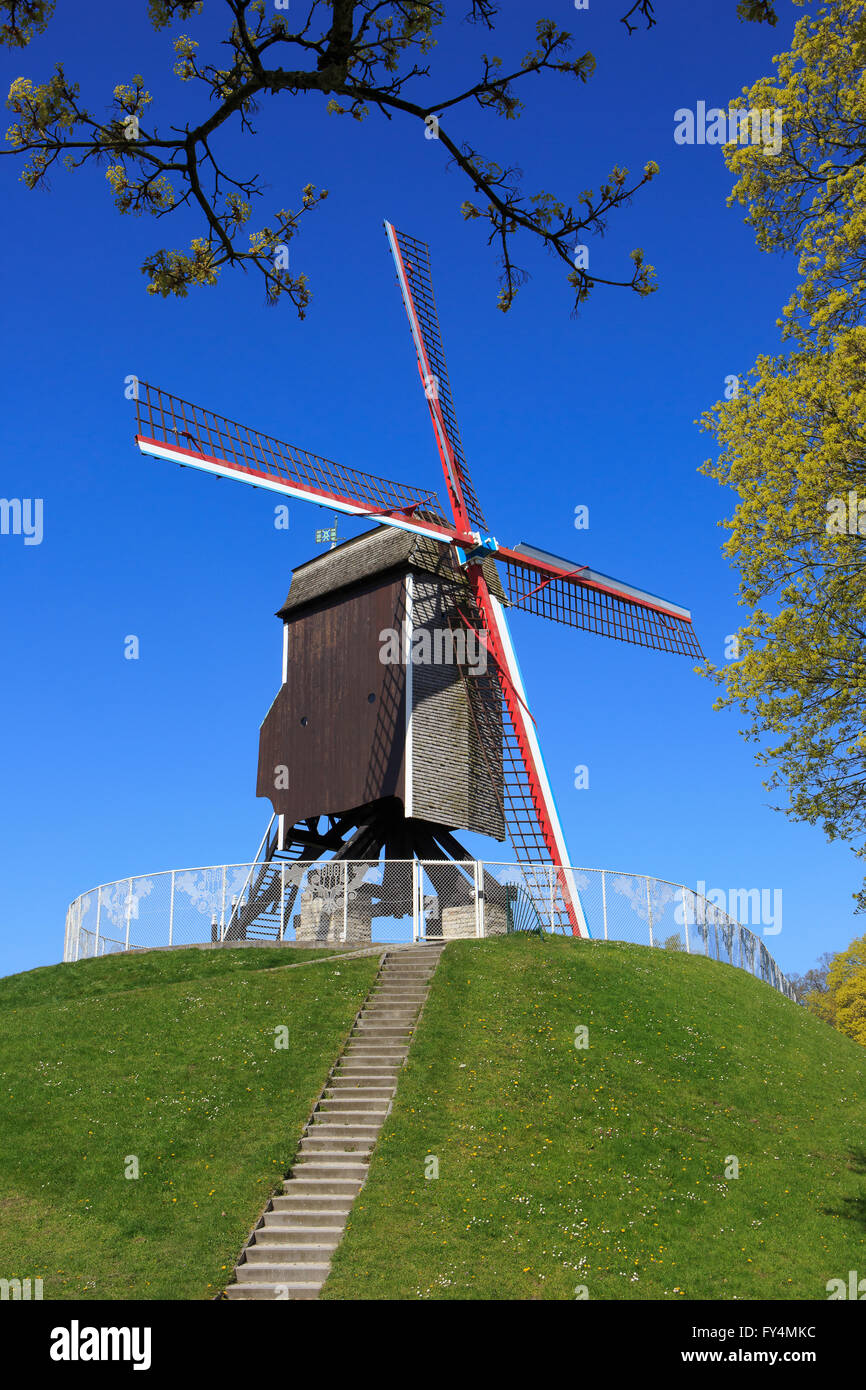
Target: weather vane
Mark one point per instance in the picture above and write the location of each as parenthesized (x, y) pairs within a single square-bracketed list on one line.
[(328, 533)]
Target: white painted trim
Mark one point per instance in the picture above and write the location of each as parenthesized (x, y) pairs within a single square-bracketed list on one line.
[(408, 625), (513, 668), (285, 652), (162, 451)]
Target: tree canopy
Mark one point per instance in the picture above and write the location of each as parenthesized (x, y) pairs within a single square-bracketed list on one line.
[(793, 438)]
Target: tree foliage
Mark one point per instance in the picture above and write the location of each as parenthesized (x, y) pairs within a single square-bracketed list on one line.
[(793, 439), (357, 57), (811, 197), (835, 990), (846, 985)]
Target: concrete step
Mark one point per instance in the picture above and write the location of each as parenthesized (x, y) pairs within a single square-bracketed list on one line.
[(376, 1076), (335, 1118), (382, 1032), (387, 1005), (291, 1253), (386, 987), (324, 1187), (342, 1133), (403, 1023), (422, 969), (334, 1144), (291, 1290), (291, 1233), (391, 1013), (359, 1086), (338, 1102), (366, 1050), (401, 1012), (316, 1204), (388, 1018), (278, 1273), (309, 1218), (369, 1063), (377, 1071), (359, 1111), (398, 990), (331, 1151), (318, 1166), (401, 1002)]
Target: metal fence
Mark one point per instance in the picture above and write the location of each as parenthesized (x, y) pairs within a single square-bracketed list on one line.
[(352, 903)]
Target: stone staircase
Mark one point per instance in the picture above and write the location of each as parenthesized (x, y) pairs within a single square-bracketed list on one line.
[(288, 1255)]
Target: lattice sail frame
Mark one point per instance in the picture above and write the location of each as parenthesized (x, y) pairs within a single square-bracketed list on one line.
[(586, 599), (414, 276), (170, 427)]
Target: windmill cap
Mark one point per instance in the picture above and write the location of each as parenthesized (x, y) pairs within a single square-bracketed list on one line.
[(376, 552)]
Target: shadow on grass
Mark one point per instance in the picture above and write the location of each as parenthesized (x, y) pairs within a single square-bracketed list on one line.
[(853, 1208)]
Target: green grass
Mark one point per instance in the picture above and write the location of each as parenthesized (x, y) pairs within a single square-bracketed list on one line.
[(605, 1168), (170, 1057)]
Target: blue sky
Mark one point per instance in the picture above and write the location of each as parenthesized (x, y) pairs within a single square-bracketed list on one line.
[(116, 767)]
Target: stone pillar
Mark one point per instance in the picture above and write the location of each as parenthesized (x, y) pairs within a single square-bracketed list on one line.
[(320, 922), (460, 921)]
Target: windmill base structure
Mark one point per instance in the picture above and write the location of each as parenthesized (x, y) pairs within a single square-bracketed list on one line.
[(402, 718)]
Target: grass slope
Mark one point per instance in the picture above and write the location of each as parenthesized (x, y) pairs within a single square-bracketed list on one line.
[(170, 1057), (605, 1168)]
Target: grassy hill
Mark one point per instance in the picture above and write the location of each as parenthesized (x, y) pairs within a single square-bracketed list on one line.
[(606, 1167), (169, 1057), (558, 1167)]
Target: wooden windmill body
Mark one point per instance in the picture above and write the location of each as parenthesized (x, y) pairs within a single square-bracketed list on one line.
[(404, 746)]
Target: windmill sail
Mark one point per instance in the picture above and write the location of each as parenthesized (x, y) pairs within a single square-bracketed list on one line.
[(573, 594), (530, 811), (412, 260), (174, 429), (512, 748)]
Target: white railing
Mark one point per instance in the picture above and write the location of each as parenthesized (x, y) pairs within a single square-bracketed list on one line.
[(356, 902)]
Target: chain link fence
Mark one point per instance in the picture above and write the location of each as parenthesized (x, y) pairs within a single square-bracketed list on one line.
[(356, 902)]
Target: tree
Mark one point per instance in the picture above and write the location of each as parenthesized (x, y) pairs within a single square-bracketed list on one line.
[(358, 57), (793, 439), (846, 985), (811, 989), (835, 990), (756, 11)]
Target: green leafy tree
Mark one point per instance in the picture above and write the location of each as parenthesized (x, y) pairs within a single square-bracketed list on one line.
[(835, 990), (846, 985), (793, 438)]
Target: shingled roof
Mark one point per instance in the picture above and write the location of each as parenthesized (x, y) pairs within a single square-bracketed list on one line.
[(376, 552)]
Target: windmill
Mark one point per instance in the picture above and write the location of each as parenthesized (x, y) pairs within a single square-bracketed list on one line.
[(424, 567)]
